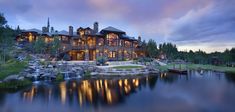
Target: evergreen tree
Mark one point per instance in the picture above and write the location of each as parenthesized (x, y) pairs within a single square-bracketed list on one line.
[(54, 48), (6, 38), (152, 49), (39, 46)]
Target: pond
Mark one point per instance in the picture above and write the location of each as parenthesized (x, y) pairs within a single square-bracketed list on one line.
[(207, 91)]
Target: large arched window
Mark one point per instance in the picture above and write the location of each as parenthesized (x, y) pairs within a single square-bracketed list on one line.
[(112, 39)]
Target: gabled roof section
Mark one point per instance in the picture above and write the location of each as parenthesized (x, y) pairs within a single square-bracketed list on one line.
[(63, 32), (124, 36), (33, 30), (112, 29)]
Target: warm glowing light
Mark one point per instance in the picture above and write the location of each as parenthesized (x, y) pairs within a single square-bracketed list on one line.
[(30, 37), (109, 96), (87, 90), (105, 51), (127, 88), (97, 86), (136, 82), (80, 97), (63, 92), (133, 80), (101, 83), (120, 83), (105, 84), (29, 95), (125, 82), (74, 85)]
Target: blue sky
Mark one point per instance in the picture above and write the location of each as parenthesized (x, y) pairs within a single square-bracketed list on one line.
[(208, 25)]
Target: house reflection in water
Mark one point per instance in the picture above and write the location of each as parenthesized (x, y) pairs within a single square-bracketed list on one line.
[(94, 91)]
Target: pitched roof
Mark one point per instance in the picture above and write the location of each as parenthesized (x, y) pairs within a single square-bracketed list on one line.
[(112, 29), (63, 32), (124, 36), (33, 30)]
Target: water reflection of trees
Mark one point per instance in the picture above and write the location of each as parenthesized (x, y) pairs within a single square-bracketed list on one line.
[(168, 78), (230, 77)]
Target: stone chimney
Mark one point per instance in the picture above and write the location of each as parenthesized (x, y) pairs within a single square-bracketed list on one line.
[(96, 27), (139, 40), (70, 31), (44, 29), (52, 29)]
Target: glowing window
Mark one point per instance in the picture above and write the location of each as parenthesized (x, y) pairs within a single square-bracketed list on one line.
[(112, 39)]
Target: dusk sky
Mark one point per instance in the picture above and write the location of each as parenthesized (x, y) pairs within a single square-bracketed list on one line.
[(208, 25)]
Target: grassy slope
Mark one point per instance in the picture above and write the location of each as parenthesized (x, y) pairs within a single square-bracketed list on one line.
[(11, 67)]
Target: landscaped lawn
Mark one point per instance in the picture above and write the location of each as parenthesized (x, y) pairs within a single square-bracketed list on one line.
[(11, 67), (198, 66), (212, 67), (127, 67)]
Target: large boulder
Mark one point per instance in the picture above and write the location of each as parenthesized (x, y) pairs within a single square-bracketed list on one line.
[(11, 78)]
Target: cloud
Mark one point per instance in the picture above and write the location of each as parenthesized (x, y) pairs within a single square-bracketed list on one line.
[(184, 22), (213, 20), (210, 27), (14, 6)]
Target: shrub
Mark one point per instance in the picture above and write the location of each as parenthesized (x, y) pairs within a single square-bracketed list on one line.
[(101, 60), (66, 57), (145, 59), (59, 77), (15, 84)]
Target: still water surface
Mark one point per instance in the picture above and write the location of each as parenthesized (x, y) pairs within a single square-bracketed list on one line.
[(210, 91)]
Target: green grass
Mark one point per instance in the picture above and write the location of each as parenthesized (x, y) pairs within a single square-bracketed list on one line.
[(87, 74), (212, 67), (199, 66), (15, 84), (127, 67), (59, 78), (163, 68), (11, 67)]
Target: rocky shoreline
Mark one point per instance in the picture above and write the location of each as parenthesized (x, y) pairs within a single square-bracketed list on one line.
[(38, 69)]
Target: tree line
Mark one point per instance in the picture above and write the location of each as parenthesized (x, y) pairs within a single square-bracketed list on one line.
[(171, 52), (7, 36), (7, 41)]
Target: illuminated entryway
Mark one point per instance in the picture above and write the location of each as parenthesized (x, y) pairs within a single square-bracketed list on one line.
[(92, 54), (77, 55)]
